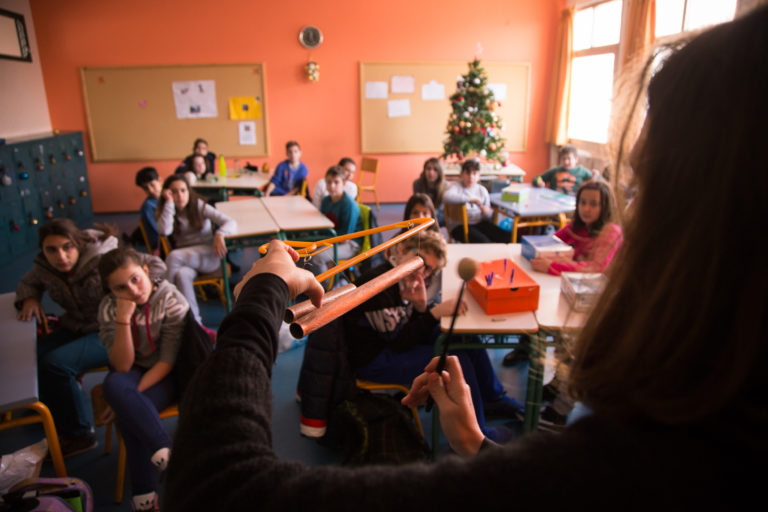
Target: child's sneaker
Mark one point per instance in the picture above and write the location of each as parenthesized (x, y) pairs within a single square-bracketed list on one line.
[(145, 502)]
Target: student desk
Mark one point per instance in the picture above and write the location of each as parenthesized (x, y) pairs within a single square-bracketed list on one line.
[(542, 203), (514, 172), (260, 219), (254, 225), (18, 378), (554, 313), (241, 183)]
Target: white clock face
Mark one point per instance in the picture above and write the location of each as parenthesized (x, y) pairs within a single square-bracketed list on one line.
[(310, 37)]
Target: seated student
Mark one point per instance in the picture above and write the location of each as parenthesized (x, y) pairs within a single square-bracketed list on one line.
[(149, 182), (349, 187), (289, 174), (200, 147), (391, 336), (469, 191), (342, 210), (141, 321), (66, 268), (567, 177), (431, 182), (671, 362), (197, 249), (420, 206), (594, 238), (197, 171)]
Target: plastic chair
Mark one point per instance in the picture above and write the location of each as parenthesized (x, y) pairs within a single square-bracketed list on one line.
[(458, 214), (144, 237), (377, 386), (368, 165)]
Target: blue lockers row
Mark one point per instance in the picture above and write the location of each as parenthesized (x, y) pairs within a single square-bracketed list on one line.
[(41, 179)]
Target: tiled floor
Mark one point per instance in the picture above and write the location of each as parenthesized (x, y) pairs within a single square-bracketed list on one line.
[(98, 469)]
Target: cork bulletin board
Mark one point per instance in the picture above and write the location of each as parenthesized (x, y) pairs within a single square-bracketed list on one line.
[(418, 124), (133, 112)]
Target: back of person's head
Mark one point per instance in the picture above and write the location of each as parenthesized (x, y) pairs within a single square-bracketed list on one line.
[(567, 149), (427, 240), (145, 175), (679, 335), (334, 172), (290, 144), (470, 165), (344, 161), (65, 228), (115, 259), (607, 206)]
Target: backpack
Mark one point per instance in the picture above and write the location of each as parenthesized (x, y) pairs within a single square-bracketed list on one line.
[(50, 494), (375, 428), (195, 348)]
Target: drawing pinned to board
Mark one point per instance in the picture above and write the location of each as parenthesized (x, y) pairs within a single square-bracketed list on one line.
[(398, 108), (247, 132), (432, 91), (195, 99), (244, 107), (402, 84), (142, 103), (376, 90)]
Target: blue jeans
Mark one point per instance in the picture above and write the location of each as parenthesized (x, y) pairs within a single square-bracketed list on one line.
[(403, 367), (139, 421), (61, 356)]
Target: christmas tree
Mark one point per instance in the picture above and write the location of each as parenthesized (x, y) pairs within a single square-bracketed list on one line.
[(473, 126)]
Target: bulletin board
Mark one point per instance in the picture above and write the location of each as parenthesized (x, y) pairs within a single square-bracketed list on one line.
[(423, 129), (133, 112)]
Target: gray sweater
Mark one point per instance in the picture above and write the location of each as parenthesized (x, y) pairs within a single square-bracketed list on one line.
[(79, 291), (184, 235), (165, 313)]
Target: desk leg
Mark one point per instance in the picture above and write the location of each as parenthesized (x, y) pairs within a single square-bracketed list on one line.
[(495, 218), (53, 439), (534, 385), (227, 292)]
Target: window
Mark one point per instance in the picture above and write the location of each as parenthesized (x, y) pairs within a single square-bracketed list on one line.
[(596, 34), (675, 16)]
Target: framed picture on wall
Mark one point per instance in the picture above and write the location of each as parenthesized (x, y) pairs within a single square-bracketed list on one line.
[(13, 37)]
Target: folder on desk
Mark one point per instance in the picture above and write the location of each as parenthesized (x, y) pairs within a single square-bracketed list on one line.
[(501, 286)]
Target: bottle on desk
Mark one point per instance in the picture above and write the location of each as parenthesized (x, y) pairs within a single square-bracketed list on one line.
[(222, 167)]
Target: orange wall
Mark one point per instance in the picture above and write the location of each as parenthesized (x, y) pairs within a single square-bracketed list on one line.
[(323, 116)]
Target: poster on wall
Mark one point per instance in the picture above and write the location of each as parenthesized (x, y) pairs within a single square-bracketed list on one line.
[(195, 99)]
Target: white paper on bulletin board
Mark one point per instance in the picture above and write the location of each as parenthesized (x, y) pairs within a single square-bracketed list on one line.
[(432, 91), (376, 90), (195, 99), (247, 133), (402, 84), (398, 108)]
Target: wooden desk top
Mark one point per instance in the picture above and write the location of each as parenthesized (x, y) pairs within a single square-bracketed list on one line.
[(251, 216), (245, 180), (293, 213), (18, 357), (554, 311), (476, 321), (542, 201)]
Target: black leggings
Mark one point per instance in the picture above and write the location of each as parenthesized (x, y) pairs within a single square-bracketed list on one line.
[(483, 232)]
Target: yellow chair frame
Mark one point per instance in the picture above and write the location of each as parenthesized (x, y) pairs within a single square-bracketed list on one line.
[(214, 278), (458, 214), (370, 165)]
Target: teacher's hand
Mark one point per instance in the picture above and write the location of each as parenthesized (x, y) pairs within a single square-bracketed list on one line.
[(281, 261), (454, 399)]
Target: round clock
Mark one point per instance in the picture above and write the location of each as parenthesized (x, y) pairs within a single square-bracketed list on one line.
[(310, 37)]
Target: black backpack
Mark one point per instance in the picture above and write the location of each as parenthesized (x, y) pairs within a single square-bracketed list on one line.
[(195, 348)]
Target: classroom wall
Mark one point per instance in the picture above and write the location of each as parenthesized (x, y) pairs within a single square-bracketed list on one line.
[(324, 116), (23, 103)]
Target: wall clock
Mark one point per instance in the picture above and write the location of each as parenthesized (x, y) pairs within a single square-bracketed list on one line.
[(310, 37)]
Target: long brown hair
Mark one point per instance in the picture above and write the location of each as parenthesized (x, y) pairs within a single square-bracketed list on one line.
[(68, 229), (680, 332), (607, 207), (438, 188), (192, 210), (425, 201)]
